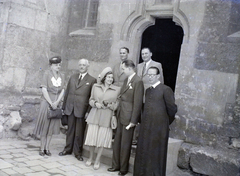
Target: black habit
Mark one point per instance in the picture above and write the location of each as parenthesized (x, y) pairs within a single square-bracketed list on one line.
[(159, 111)]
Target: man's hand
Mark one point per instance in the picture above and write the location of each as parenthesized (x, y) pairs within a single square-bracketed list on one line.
[(130, 126)]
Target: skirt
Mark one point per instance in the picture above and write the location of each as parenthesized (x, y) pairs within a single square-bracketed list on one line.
[(98, 136), (45, 126)]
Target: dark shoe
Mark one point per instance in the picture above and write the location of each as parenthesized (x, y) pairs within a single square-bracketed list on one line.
[(80, 158), (63, 153), (47, 152), (41, 153), (122, 173), (112, 169)]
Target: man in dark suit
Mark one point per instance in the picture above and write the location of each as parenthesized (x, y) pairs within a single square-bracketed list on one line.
[(118, 74), (75, 106), (158, 113), (128, 114)]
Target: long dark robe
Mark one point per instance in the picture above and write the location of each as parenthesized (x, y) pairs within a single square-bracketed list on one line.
[(151, 153)]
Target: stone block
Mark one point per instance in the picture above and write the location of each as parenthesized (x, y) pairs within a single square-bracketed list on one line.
[(212, 162), (22, 16), (41, 19), (53, 24), (29, 112), (14, 121), (184, 156), (236, 143)]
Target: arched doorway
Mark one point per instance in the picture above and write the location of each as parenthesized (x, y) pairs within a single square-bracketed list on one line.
[(164, 39)]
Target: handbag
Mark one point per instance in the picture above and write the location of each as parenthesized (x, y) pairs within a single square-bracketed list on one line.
[(113, 122), (54, 113)]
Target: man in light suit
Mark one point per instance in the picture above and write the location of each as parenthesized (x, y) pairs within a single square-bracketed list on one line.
[(147, 63), (75, 106), (118, 74), (128, 114)]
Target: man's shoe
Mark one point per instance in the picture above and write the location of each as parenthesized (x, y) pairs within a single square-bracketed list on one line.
[(112, 169), (122, 173), (80, 158), (63, 153)]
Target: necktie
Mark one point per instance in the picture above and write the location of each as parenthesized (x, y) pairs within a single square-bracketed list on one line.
[(79, 79), (144, 68)]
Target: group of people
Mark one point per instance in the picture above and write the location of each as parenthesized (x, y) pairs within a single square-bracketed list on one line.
[(136, 95)]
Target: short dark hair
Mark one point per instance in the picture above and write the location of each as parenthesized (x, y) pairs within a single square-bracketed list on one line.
[(55, 60), (129, 63), (158, 72), (125, 49), (146, 48), (104, 78)]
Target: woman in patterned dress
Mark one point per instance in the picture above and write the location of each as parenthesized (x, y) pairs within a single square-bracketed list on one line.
[(52, 93), (103, 101)]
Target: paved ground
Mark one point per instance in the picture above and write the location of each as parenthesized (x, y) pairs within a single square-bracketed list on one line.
[(21, 158)]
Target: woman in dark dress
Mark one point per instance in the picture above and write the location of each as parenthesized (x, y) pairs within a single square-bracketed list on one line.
[(52, 93)]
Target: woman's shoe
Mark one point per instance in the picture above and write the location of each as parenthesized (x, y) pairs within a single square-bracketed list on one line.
[(96, 166), (47, 152), (88, 163), (41, 153)]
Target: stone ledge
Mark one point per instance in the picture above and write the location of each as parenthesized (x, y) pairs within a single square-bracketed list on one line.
[(209, 161)]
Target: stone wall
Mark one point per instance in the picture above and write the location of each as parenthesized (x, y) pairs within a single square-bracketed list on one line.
[(31, 32)]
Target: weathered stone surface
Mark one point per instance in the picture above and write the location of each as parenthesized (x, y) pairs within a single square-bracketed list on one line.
[(14, 122), (29, 112), (26, 131), (236, 143), (184, 156), (212, 162)]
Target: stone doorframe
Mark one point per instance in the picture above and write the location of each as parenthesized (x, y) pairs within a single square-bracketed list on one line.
[(143, 17)]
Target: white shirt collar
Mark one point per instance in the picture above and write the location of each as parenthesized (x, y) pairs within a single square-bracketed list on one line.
[(148, 62), (130, 77), (83, 74), (156, 84)]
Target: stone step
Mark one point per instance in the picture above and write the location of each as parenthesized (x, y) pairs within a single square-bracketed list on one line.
[(173, 148)]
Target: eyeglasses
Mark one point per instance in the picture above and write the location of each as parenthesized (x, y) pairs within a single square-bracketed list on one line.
[(151, 75)]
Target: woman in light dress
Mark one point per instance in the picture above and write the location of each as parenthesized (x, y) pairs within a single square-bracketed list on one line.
[(104, 102)]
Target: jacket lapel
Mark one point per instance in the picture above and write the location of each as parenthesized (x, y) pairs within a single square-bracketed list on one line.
[(83, 81), (127, 86)]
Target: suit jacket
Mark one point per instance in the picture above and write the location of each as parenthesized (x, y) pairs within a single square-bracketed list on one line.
[(131, 101), (145, 77), (118, 75), (77, 95)]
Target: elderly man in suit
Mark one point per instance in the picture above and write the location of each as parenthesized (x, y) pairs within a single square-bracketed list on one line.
[(118, 74), (128, 114), (75, 106)]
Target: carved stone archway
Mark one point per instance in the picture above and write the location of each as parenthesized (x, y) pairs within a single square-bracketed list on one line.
[(143, 17)]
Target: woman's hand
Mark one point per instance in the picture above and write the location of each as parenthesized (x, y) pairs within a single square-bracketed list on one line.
[(99, 105), (54, 105)]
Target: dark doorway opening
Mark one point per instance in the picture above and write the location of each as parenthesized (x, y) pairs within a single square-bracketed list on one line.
[(164, 40)]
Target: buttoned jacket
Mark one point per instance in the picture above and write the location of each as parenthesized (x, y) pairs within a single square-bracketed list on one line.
[(102, 116), (77, 96), (131, 100)]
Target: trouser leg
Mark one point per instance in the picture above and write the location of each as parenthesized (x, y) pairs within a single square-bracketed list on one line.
[(70, 133), (79, 136)]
